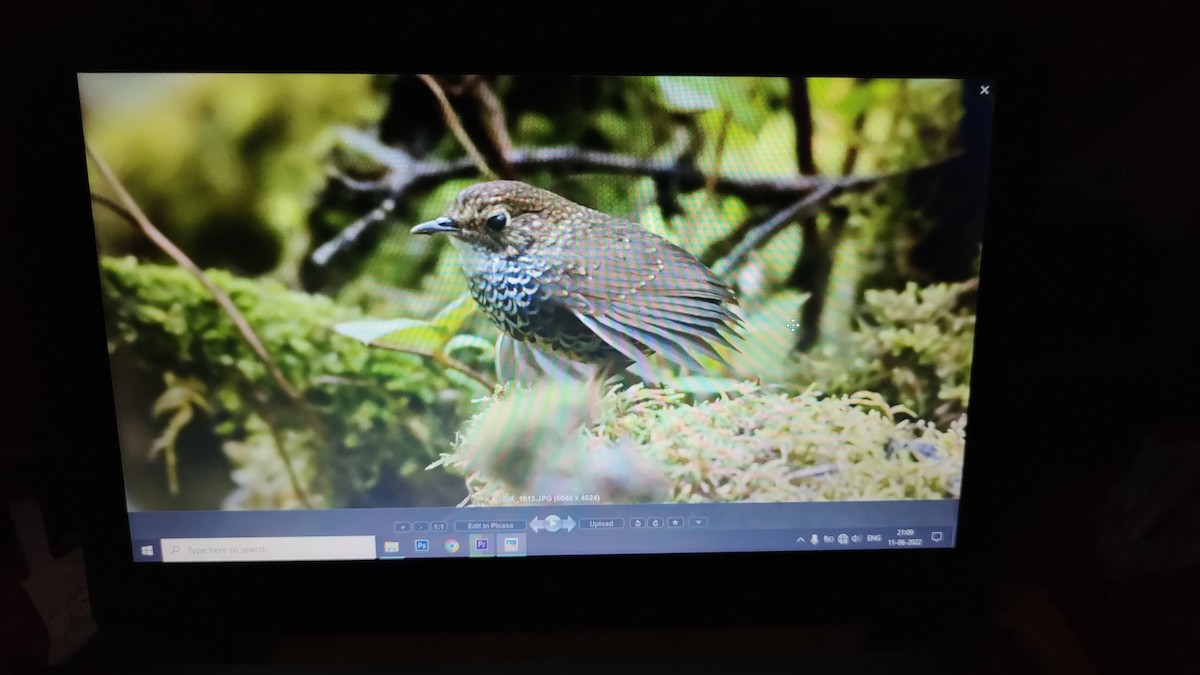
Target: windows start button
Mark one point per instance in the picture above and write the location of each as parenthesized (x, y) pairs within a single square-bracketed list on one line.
[(601, 523)]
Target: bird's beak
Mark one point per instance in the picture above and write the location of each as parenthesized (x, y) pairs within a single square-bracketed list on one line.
[(442, 224)]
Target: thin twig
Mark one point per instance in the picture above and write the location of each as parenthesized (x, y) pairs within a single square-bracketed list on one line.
[(283, 453), (412, 173), (115, 208), (273, 425), (817, 470), (491, 112), (449, 362), (718, 155), (353, 231), (138, 217), (776, 223), (455, 364), (131, 209), (357, 185), (456, 126)]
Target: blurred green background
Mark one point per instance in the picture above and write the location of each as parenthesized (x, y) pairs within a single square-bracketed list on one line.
[(875, 293)]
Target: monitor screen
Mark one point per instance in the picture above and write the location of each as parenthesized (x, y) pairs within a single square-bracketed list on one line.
[(385, 317)]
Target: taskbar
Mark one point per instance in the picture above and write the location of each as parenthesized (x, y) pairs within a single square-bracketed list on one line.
[(485, 532)]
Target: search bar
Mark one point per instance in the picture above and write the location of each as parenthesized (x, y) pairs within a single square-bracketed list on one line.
[(262, 549)]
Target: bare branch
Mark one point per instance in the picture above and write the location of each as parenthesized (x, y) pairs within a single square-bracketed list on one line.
[(802, 118), (447, 361), (491, 112), (130, 209), (815, 261), (115, 208), (772, 226), (456, 126), (408, 173), (770, 189), (353, 231), (719, 154)]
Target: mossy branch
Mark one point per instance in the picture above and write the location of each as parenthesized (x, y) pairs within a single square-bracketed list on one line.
[(131, 210)]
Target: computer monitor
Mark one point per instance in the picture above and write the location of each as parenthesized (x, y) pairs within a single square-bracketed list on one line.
[(659, 314), (385, 322)]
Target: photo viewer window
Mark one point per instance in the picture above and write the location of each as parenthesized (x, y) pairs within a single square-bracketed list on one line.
[(387, 317)]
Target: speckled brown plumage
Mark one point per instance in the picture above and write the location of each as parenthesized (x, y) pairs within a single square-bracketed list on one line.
[(571, 285)]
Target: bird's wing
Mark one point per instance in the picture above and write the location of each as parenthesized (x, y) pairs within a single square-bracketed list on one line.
[(641, 290), (516, 360)]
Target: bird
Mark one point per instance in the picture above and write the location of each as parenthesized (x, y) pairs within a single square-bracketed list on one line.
[(577, 292)]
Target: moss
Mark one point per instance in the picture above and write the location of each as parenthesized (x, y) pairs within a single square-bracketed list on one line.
[(914, 347), (381, 413), (641, 444)]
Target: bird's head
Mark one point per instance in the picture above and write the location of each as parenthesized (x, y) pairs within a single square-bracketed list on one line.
[(503, 216)]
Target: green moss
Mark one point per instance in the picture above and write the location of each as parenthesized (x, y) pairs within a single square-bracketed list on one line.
[(644, 444), (380, 413), (913, 347)]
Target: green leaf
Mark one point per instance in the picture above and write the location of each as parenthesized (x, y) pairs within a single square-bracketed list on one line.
[(738, 96), (412, 335), (454, 315), (406, 335), (687, 94)]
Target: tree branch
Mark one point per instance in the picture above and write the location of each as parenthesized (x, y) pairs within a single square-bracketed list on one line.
[(763, 232), (813, 269), (407, 173), (130, 209), (491, 114), (722, 138), (813, 265), (802, 118), (456, 126)]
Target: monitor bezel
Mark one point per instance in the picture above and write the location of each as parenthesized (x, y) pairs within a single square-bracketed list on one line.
[(591, 591)]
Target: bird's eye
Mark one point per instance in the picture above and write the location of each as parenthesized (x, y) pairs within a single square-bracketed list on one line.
[(496, 222)]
